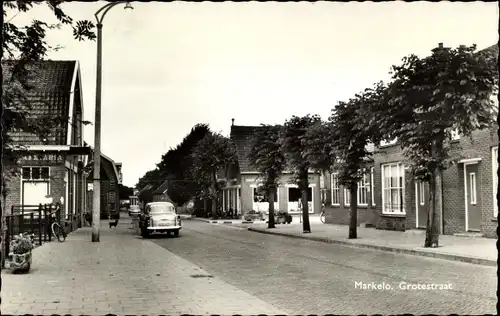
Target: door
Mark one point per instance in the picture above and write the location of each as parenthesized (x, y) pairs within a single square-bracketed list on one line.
[(422, 203), (473, 209)]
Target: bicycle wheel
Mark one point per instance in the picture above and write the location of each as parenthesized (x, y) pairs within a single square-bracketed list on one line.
[(58, 232), (322, 217), (62, 234)]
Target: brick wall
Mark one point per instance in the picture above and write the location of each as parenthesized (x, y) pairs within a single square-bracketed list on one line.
[(340, 214), (453, 183), (453, 187)]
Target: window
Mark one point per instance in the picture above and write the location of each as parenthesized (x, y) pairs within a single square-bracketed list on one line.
[(363, 188), (494, 163), (455, 135), (422, 193), (260, 195), (393, 189), (347, 197), (372, 182), (335, 189), (472, 183), (36, 173), (388, 142)]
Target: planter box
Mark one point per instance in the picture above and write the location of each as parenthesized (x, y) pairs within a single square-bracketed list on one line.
[(19, 262)]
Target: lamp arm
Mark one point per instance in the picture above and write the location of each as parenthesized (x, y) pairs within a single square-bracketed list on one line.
[(105, 10)]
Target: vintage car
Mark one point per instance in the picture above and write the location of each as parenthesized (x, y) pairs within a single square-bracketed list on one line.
[(159, 217)]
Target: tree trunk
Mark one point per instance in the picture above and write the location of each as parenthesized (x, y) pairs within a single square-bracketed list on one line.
[(4, 227), (353, 211), (431, 231), (304, 181), (270, 198), (205, 206), (214, 194)]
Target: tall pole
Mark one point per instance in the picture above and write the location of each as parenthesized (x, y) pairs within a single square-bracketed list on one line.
[(96, 196)]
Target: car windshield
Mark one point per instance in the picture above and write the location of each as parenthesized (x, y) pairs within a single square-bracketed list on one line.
[(161, 209)]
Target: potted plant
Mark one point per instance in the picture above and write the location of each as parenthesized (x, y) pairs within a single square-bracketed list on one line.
[(19, 259), (283, 217)]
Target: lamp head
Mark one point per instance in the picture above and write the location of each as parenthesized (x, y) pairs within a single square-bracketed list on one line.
[(128, 6)]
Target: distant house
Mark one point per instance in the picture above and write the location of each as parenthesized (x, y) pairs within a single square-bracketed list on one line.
[(161, 193), (52, 167), (110, 180), (242, 185)]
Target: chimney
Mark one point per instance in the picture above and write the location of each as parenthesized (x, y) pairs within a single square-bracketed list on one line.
[(232, 122), (440, 48)]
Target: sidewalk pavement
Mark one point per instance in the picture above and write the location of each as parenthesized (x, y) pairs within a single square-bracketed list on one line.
[(122, 274), (466, 249)]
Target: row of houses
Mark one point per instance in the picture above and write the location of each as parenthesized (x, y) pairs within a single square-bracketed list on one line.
[(388, 197), (57, 168)]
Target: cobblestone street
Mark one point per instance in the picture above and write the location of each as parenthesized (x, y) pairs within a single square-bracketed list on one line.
[(212, 269), (307, 277), (123, 274)]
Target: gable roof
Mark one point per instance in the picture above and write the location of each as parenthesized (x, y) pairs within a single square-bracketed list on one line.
[(241, 137), (146, 188), (162, 189), (52, 88), (109, 160)]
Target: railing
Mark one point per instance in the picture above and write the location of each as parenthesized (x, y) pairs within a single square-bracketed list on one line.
[(30, 219)]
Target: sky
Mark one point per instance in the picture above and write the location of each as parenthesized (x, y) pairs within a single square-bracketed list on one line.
[(168, 66)]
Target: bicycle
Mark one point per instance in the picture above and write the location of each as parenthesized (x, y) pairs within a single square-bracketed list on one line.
[(57, 229)]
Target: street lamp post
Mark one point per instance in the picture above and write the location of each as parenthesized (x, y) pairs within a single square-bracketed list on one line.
[(96, 196)]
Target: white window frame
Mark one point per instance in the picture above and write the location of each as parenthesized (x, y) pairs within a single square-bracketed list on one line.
[(363, 188), (347, 197), (372, 184), (494, 169), (335, 188), (422, 192), (22, 180), (472, 186), (389, 142), (401, 169), (31, 173), (455, 135)]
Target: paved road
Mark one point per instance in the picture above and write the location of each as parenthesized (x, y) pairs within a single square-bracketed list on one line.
[(122, 275), (306, 277)]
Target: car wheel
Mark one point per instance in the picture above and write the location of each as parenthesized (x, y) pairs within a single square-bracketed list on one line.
[(176, 233)]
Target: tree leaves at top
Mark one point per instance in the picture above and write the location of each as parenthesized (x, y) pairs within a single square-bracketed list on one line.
[(432, 97), (318, 146), (293, 142), (352, 131), (212, 154), (266, 156), (28, 43)]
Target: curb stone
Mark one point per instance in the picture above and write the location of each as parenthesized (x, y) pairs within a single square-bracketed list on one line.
[(413, 252), (211, 221)]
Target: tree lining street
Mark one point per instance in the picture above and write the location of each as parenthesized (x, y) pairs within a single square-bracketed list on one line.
[(309, 277)]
